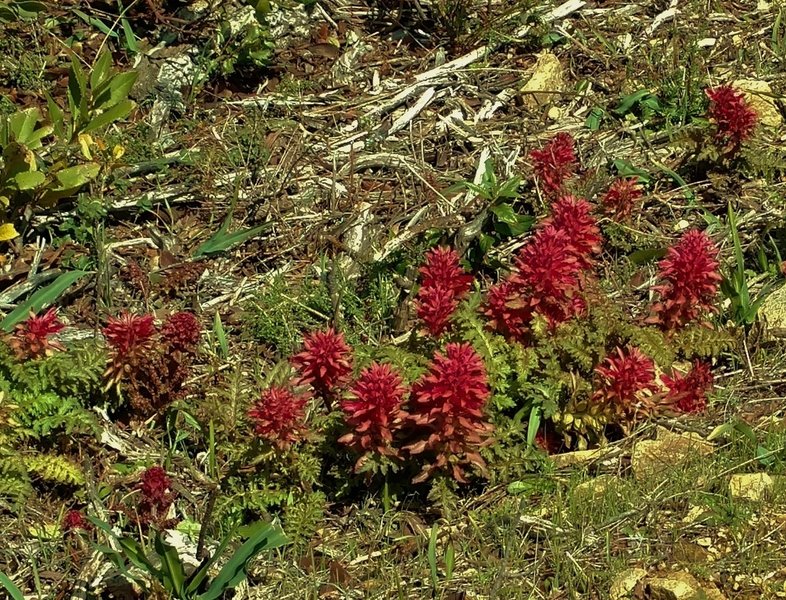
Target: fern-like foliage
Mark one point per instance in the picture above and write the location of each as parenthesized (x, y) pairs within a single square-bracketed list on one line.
[(40, 415), (53, 468)]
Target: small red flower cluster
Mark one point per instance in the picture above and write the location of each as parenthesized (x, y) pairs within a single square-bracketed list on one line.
[(555, 162), (688, 393), (621, 198), (279, 417), (153, 363), (325, 362), (374, 410), (447, 405), (734, 117), (690, 273), (443, 284), (627, 383), (31, 339), (155, 496), (550, 272), (74, 520)]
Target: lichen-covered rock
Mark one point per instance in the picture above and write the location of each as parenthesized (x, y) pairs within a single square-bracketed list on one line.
[(624, 583), (659, 456), (759, 94), (772, 312), (751, 486), (548, 79)]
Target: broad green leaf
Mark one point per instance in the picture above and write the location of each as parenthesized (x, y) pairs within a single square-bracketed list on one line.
[(41, 298), (640, 257), (221, 337), (505, 213), (171, 567), (114, 90), (628, 102), (136, 554), (625, 169), (201, 572), (75, 177), (594, 119), (117, 112), (128, 35), (266, 537), (222, 240), (56, 117), (533, 425), (29, 180), (77, 90), (10, 587), (100, 70), (22, 124)]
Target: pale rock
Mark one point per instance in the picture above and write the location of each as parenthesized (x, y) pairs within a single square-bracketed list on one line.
[(624, 583), (555, 113), (759, 94), (750, 486), (659, 456), (547, 80), (594, 489), (579, 457), (773, 313), (676, 586)]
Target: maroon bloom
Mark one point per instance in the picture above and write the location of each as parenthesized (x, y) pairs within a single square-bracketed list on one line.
[(128, 333), (31, 338), (508, 313), (688, 393), (734, 117), (690, 272), (443, 284), (622, 198), (155, 496), (572, 216), (325, 361), (447, 404), (555, 162), (625, 376), (74, 519), (182, 331), (373, 409), (278, 417)]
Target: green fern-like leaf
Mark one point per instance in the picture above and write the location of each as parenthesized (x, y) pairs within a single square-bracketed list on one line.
[(701, 341), (54, 468)]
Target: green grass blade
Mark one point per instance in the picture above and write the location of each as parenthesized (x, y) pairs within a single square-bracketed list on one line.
[(15, 592), (42, 298), (222, 240)]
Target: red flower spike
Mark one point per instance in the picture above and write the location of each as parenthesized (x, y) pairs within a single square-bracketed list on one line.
[(128, 333), (325, 361), (182, 331), (278, 416), (555, 162), (155, 496), (688, 393), (734, 117), (374, 407), (443, 284), (31, 338), (690, 271), (572, 216), (448, 404), (622, 198), (506, 312), (625, 377), (442, 268), (74, 520)]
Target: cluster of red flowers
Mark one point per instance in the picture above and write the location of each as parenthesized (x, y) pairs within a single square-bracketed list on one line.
[(325, 362), (443, 284), (74, 520), (279, 416), (153, 363), (447, 403), (32, 339), (691, 281), (555, 163), (627, 383), (688, 393), (550, 273), (621, 198), (155, 497), (734, 117)]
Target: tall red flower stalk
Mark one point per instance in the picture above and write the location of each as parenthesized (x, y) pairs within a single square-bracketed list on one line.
[(373, 411), (691, 281), (130, 338), (627, 383), (155, 496), (278, 417), (447, 406), (573, 217), (32, 339), (622, 198), (688, 393), (182, 332), (443, 284), (325, 362), (507, 311), (734, 117), (555, 162)]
